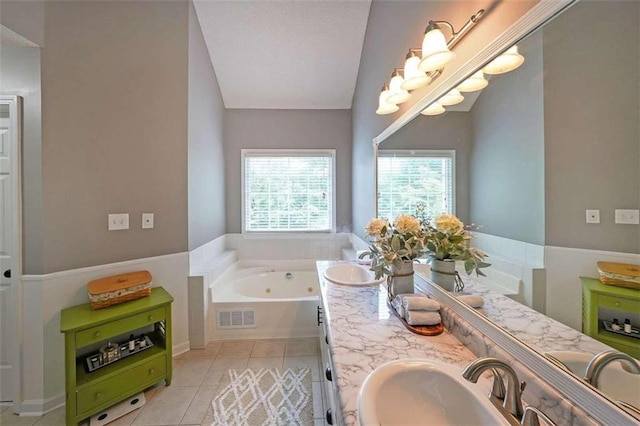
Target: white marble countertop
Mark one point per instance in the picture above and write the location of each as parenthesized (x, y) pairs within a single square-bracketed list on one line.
[(540, 332), (364, 334)]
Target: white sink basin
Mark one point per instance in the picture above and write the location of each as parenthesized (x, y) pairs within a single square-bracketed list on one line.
[(614, 380), (419, 391), (350, 274)]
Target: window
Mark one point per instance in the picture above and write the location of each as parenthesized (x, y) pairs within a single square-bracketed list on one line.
[(288, 190), (409, 178)]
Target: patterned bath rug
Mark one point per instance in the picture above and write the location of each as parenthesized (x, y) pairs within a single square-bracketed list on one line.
[(264, 397)]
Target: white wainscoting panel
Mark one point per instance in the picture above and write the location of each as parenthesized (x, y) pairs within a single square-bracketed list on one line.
[(46, 295), (564, 268)]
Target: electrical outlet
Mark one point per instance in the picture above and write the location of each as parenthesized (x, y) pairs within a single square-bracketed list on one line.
[(118, 221), (593, 216), (628, 216), (147, 220)]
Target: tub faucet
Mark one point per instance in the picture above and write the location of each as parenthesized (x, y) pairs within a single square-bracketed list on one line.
[(599, 361), (512, 402)]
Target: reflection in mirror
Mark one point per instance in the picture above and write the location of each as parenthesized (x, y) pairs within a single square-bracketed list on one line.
[(534, 150)]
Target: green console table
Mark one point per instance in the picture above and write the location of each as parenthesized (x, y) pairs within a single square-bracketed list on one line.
[(91, 392), (596, 295)]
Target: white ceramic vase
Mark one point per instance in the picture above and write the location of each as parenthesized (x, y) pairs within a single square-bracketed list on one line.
[(402, 280), (443, 273)]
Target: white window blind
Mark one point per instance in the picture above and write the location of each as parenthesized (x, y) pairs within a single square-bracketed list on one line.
[(288, 191), (409, 178)]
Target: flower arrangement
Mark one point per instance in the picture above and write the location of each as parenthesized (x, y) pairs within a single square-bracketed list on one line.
[(394, 243), (449, 239)]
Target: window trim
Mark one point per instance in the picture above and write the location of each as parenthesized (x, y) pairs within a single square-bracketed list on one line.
[(439, 153), (257, 152)]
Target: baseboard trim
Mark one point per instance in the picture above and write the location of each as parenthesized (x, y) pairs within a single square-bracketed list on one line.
[(40, 407), (181, 348)]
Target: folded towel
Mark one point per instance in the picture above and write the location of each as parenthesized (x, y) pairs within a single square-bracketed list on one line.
[(472, 300), (422, 317), (396, 303), (420, 304), (481, 311)]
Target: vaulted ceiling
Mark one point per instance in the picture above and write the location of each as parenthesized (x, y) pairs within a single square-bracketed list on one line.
[(290, 54)]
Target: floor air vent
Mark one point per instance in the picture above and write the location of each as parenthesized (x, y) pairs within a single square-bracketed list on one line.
[(240, 318)]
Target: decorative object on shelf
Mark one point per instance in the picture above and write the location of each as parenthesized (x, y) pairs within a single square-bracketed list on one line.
[(620, 274), (447, 242), (421, 70), (121, 288), (112, 352), (394, 249)]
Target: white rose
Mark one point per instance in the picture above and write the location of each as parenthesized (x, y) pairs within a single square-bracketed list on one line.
[(407, 224), (375, 226), (449, 224)]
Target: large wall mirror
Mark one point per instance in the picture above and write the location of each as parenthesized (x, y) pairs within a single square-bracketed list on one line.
[(531, 153)]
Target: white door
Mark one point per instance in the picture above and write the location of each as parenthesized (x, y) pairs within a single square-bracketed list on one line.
[(9, 242)]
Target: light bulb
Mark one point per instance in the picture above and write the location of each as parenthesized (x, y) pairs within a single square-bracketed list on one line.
[(397, 94), (413, 77), (385, 107), (473, 83), (508, 61), (433, 109), (435, 53), (452, 98)]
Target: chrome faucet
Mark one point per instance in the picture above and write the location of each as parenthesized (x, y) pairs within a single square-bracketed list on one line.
[(532, 416), (512, 402), (599, 361)]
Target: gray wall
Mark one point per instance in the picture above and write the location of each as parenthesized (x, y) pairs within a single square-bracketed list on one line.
[(20, 75), (114, 108), (447, 131), (507, 152), (286, 129), (592, 139), (206, 158), (25, 18), (393, 28)]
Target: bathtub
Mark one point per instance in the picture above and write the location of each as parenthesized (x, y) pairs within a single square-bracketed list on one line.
[(264, 300)]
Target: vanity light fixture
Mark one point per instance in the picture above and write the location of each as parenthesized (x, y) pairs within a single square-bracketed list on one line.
[(452, 98), (473, 83), (436, 51), (420, 71), (413, 77), (508, 61), (385, 107), (397, 94), (434, 109)]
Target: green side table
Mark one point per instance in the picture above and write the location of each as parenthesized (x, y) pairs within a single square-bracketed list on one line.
[(596, 295), (86, 329)]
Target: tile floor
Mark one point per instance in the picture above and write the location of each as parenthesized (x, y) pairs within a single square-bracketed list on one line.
[(196, 376)]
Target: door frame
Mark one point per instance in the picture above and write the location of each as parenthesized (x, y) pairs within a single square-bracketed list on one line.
[(15, 141)]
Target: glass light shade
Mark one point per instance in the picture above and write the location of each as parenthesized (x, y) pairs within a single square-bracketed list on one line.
[(452, 98), (435, 53), (397, 94), (413, 77), (508, 61), (433, 109), (473, 83), (385, 107)]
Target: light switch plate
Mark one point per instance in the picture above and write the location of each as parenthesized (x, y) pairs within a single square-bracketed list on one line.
[(118, 221), (147, 220), (593, 216), (628, 216)]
